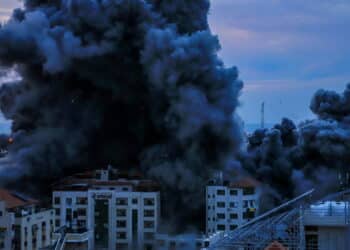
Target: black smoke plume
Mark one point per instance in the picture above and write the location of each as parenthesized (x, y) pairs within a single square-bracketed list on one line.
[(315, 154), (133, 83)]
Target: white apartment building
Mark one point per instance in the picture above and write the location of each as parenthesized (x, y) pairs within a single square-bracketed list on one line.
[(6, 222), (23, 225), (231, 204), (107, 209)]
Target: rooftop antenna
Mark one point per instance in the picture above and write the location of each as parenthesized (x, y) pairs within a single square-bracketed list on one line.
[(262, 115)]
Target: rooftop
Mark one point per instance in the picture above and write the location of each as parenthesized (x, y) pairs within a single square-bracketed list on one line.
[(15, 200), (245, 182), (106, 178), (241, 182)]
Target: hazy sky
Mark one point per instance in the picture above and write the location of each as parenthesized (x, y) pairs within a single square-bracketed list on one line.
[(285, 50)]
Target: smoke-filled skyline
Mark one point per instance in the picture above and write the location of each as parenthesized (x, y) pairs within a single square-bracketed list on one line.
[(132, 83), (139, 84), (282, 48)]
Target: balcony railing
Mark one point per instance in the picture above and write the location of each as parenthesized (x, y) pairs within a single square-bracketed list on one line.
[(78, 237), (328, 213)]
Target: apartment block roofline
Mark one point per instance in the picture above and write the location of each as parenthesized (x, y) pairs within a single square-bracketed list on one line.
[(240, 182), (109, 177), (15, 200)]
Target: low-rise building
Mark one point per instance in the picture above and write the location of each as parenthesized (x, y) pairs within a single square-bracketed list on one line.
[(23, 225), (107, 209), (231, 204)]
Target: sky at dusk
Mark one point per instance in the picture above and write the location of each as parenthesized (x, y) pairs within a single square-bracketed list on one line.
[(285, 50)]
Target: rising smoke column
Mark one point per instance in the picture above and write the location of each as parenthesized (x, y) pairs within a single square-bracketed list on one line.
[(291, 159), (133, 83)]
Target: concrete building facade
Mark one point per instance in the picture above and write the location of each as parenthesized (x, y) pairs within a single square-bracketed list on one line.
[(231, 204), (23, 225), (327, 225), (6, 222), (107, 210)]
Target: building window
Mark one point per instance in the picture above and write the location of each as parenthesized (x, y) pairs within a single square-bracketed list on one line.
[(233, 227), (233, 192), (121, 212), (82, 200), (220, 192), (69, 201), (122, 201), (121, 235), (81, 212), (248, 191), (81, 224), (122, 246), (208, 218), (57, 223), (233, 204), (221, 227), (98, 175), (220, 216), (220, 204), (245, 204), (69, 214), (121, 223), (233, 216), (57, 211), (34, 229), (149, 236), (208, 207), (125, 189), (134, 201), (148, 224), (57, 200), (1, 213), (148, 201), (248, 215), (148, 213)]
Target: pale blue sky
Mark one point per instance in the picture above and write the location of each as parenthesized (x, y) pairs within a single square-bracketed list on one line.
[(285, 50)]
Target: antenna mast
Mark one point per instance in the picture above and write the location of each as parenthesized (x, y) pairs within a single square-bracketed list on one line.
[(262, 115)]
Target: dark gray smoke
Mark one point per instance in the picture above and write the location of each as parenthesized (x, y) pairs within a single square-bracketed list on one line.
[(126, 82), (315, 154)]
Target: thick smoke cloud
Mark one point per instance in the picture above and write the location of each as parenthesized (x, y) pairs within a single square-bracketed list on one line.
[(293, 159), (133, 83)]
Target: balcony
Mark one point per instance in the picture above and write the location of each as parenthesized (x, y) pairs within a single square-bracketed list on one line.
[(328, 213), (73, 236), (77, 237)]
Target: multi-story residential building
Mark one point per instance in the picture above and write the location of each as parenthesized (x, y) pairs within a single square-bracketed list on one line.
[(6, 222), (185, 241), (107, 209), (231, 204), (23, 225)]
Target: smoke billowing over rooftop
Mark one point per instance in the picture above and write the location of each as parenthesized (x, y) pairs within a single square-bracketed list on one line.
[(294, 159), (127, 82)]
